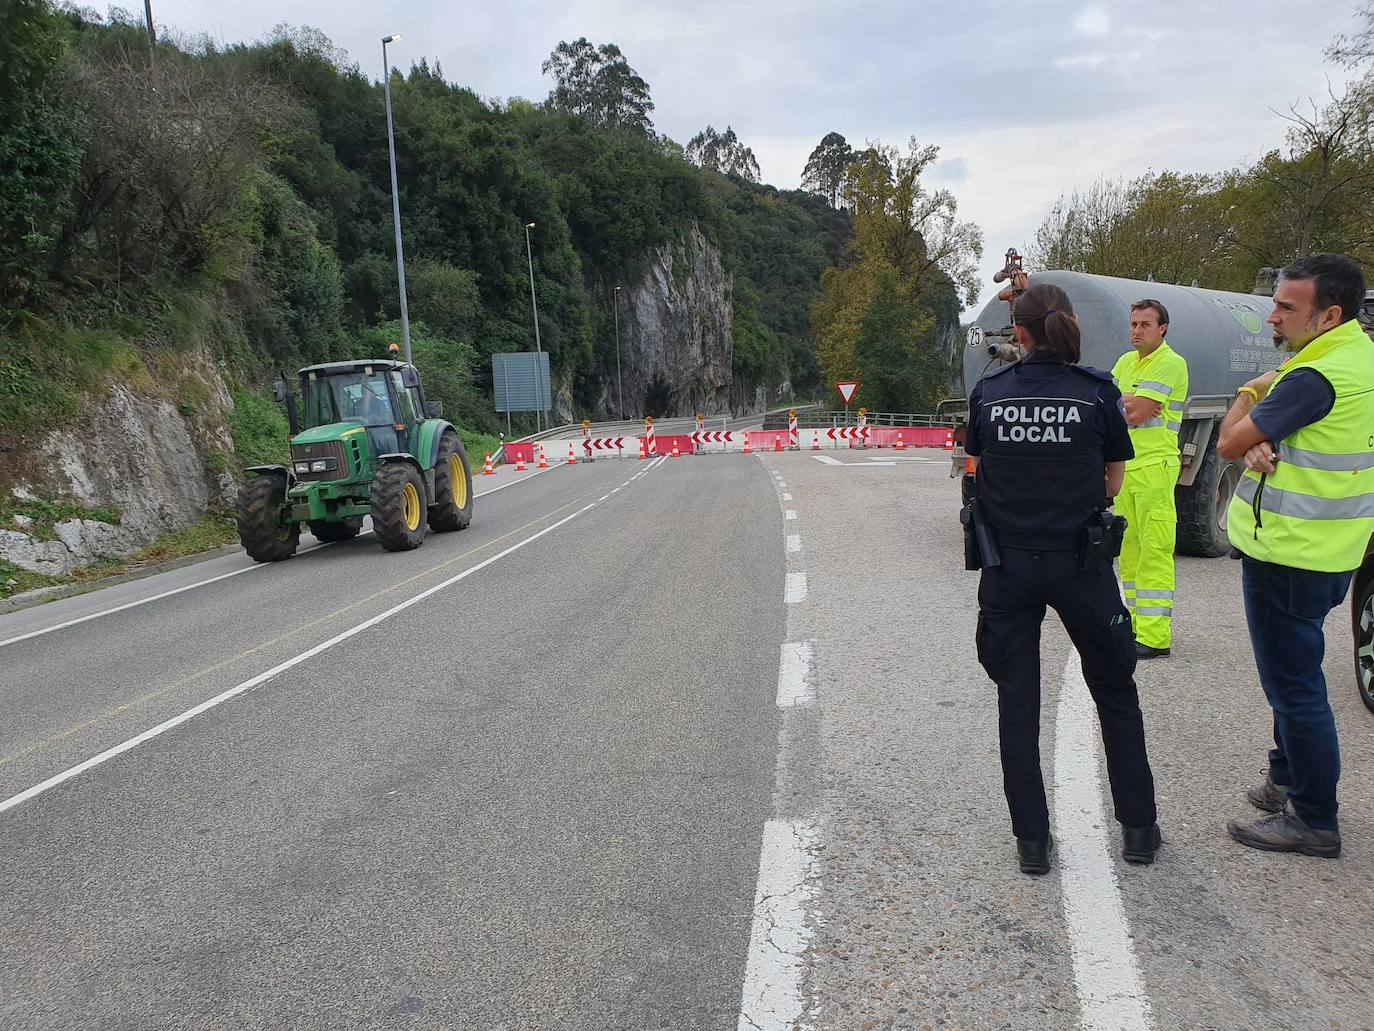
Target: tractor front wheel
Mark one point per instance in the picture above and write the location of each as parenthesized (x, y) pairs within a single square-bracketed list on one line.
[(266, 536), (337, 530), (398, 506), (452, 508)]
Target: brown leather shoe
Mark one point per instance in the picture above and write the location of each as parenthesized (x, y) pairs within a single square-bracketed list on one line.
[(1287, 832)]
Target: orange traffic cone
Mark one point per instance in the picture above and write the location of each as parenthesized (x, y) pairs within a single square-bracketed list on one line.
[(643, 452), (676, 452), (543, 458), (572, 458), (816, 442), (519, 462), (746, 443), (777, 442), (901, 444), (949, 440), (487, 470)]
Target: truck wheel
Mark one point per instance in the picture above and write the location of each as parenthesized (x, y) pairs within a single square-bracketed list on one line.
[(452, 508), (398, 506), (1202, 507), (1364, 643), (259, 515), (337, 530)]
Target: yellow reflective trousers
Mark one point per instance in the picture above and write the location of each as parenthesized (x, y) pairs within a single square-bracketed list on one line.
[(1147, 553)]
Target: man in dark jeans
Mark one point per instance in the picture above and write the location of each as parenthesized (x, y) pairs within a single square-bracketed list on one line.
[(1302, 518)]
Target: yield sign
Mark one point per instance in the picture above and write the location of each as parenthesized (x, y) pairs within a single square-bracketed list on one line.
[(847, 389)]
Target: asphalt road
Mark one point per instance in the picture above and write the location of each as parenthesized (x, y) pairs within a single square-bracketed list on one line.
[(692, 743)]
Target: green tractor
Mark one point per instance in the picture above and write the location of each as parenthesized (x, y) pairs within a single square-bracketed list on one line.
[(363, 442)]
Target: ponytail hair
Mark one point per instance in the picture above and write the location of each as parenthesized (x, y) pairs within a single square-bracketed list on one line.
[(1045, 312)]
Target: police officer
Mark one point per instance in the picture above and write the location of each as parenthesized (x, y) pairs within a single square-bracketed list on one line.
[(1051, 443), (1153, 380)]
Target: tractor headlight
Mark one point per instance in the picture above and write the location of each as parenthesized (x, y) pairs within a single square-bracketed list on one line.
[(319, 465), (302, 468)]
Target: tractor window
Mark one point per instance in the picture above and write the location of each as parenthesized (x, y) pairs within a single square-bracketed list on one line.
[(352, 396), (406, 401)]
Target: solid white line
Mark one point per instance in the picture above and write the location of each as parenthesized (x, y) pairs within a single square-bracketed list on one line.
[(1111, 994), (779, 933), (795, 592), (794, 669), (789, 514), (793, 543), (155, 597), (523, 477), (276, 670)]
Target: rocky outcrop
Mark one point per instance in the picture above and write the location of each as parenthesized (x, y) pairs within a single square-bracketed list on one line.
[(140, 455), (675, 334)]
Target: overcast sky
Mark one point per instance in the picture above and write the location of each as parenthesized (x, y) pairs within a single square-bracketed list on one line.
[(1025, 100)]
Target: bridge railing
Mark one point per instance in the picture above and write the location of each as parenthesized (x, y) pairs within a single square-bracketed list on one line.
[(814, 418)]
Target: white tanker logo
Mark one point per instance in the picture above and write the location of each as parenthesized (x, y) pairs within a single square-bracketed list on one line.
[(1250, 320), (1034, 424)]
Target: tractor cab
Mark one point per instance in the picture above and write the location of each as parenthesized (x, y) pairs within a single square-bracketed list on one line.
[(385, 398)]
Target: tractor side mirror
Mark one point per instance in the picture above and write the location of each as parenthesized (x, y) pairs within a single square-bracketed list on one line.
[(279, 391), (434, 409), (410, 378)]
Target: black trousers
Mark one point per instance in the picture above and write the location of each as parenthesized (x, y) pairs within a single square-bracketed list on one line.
[(1011, 606)]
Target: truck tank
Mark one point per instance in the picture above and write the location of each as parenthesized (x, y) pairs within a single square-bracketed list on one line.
[(1223, 337)]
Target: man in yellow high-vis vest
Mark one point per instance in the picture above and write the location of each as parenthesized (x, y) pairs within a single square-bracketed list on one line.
[(1302, 518), (1154, 384)]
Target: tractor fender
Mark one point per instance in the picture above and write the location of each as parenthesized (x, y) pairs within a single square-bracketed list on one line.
[(429, 434), (425, 474), (270, 470)]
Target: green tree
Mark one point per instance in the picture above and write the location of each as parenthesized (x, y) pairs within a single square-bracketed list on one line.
[(724, 153), (42, 135), (825, 168), (599, 84)]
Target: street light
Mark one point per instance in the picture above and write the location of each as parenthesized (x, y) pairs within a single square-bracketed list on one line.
[(619, 389), (395, 37), (538, 350)]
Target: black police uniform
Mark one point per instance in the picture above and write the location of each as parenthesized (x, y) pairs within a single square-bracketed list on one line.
[(1043, 431)]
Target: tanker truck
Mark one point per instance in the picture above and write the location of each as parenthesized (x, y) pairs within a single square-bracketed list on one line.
[(1223, 337)]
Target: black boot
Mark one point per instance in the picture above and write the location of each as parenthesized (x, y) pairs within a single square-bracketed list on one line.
[(1033, 854), (1139, 844)]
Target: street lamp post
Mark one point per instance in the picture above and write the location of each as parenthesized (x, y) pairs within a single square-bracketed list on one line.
[(619, 388), (395, 195), (538, 350)]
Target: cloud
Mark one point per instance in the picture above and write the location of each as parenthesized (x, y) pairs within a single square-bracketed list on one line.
[(1080, 61), (950, 171), (1093, 20)]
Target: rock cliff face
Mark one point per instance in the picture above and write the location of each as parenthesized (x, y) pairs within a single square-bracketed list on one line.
[(140, 455), (675, 334)]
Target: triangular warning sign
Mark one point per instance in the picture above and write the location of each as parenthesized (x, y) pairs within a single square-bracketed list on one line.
[(847, 389)]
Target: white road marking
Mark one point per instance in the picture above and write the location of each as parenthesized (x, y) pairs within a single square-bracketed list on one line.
[(827, 460), (779, 934), (793, 543), (786, 497), (794, 670), (789, 514), (872, 463), (155, 597), (523, 477), (795, 591), (276, 670), (1111, 994)]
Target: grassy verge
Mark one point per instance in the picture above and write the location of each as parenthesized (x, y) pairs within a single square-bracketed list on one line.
[(214, 529), (477, 445), (43, 515)]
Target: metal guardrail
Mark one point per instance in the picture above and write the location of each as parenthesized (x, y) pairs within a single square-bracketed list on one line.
[(812, 419), (628, 426)]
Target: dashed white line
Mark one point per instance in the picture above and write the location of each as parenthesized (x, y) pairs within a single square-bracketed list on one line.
[(795, 591), (794, 672), (1111, 994), (779, 933), (789, 514), (793, 543), (786, 497), (276, 670)]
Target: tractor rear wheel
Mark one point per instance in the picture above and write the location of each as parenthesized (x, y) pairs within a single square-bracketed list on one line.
[(398, 506), (337, 530), (452, 508), (261, 504)]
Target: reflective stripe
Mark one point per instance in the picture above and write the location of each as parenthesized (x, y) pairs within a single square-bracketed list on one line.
[(1142, 610), (1156, 386), (1128, 585), (1321, 460), (1175, 426), (1166, 595), (1149, 424), (1305, 506)]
